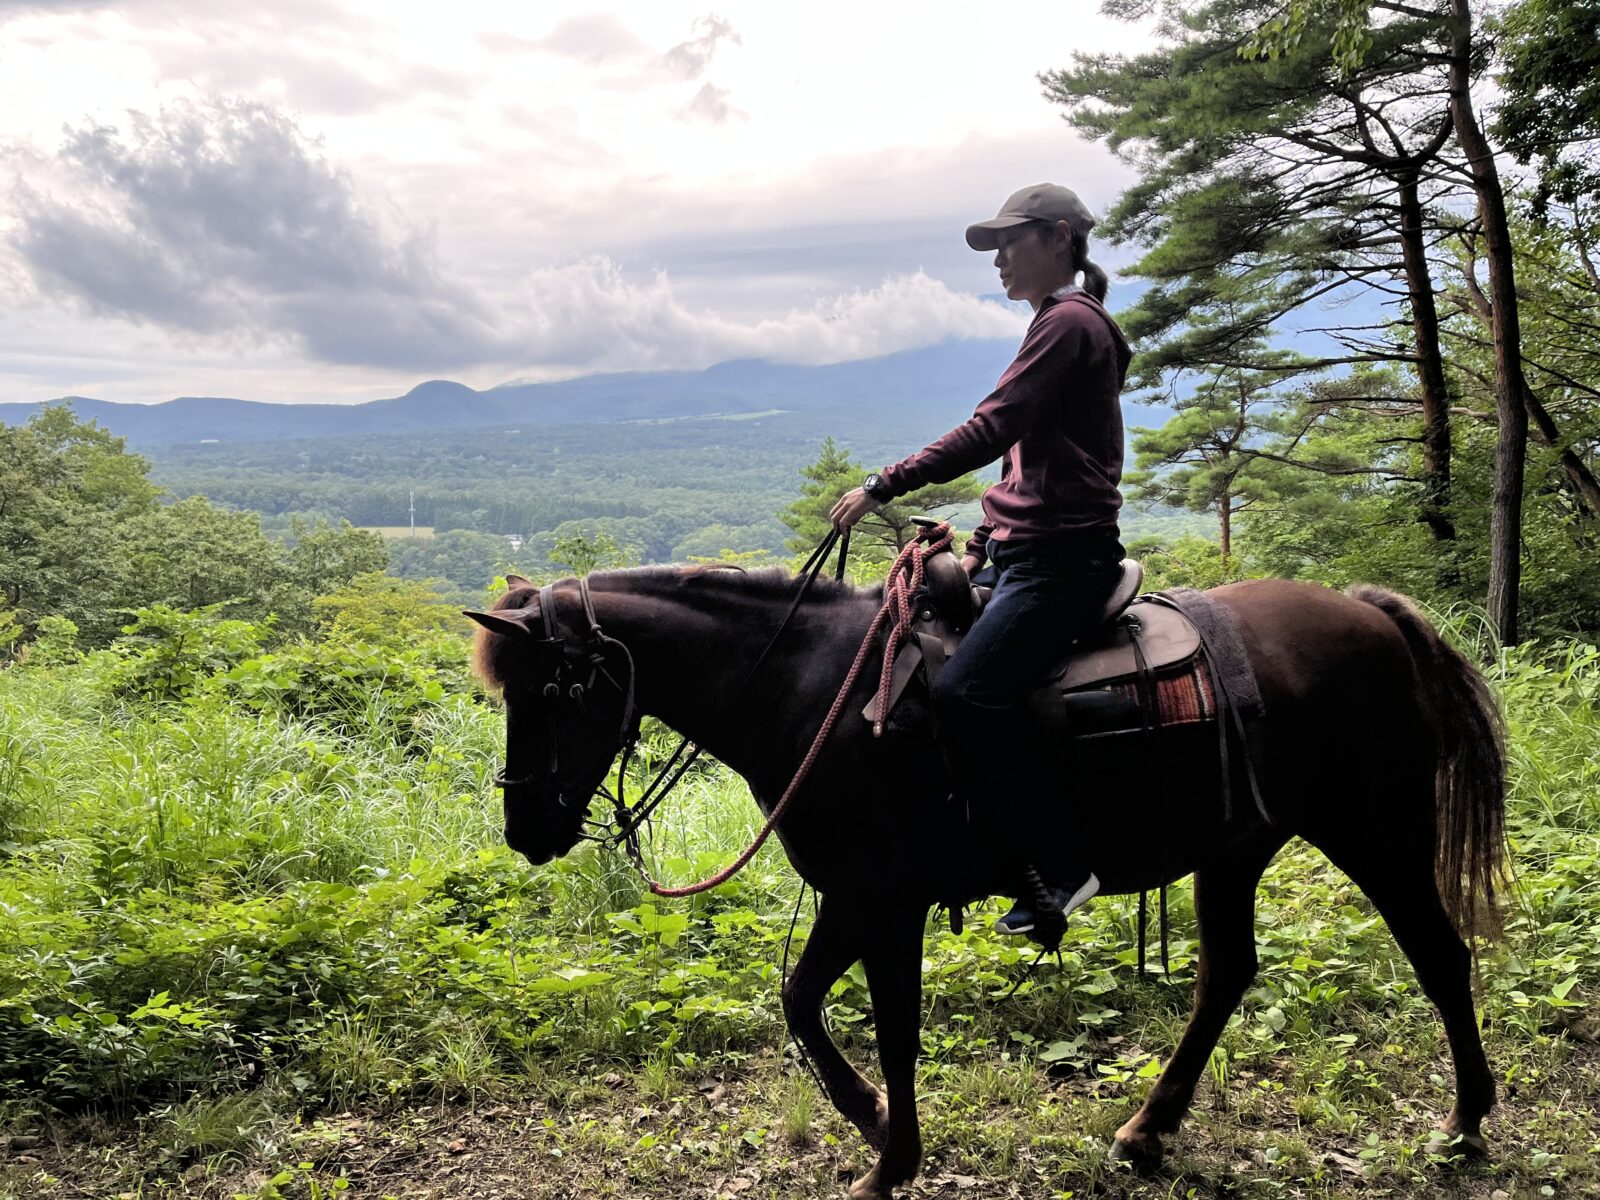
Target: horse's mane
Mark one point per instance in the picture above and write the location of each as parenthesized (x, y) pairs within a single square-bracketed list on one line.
[(494, 656)]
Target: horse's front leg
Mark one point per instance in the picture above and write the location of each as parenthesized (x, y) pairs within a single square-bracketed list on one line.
[(894, 974), (833, 944)]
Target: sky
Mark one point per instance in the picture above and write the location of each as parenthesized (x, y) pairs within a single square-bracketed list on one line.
[(315, 200)]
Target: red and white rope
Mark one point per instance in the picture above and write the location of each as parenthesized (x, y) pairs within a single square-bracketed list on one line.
[(899, 610)]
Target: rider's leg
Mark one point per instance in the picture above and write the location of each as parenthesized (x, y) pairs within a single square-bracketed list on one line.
[(1048, 596)]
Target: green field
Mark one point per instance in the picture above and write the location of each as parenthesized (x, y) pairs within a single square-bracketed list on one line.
[(260, 939), (400, 531)]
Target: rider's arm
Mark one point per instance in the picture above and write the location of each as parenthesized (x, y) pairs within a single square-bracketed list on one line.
[(976, 552), (1032, 387)]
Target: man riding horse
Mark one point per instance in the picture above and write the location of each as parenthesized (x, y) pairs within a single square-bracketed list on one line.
[(1049, 527)]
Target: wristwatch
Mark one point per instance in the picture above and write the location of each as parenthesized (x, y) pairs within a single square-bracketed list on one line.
[(875, 487)]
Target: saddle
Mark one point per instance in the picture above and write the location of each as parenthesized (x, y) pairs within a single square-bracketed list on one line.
[(1141, 667)]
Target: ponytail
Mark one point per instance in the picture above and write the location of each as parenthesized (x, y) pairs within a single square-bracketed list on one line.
[(1095, 280)]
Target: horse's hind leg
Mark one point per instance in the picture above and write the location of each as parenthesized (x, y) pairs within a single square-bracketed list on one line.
[(894, 973), (832, 946), (1224, 907), (1397, 875)]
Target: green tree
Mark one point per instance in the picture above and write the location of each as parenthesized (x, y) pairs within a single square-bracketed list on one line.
[(168, 652), (1448, 25), (382, 610), (465, 558), (10, 631), (67, 490), (883, 533), (193, 555), (712, 541), (1209, 457), (1268, 185), (55, 643), (1549, 108), (324, 555), (583, 553)]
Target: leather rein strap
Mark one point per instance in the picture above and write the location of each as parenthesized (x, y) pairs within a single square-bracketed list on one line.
[(627, 819)]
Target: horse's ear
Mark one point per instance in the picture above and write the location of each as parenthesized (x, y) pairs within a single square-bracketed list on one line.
[(516, 622), (514, 581)]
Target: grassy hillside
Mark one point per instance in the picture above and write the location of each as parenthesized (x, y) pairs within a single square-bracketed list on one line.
[(260, 939)]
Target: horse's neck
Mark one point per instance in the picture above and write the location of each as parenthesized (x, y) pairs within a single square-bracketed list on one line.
[(694, 654)]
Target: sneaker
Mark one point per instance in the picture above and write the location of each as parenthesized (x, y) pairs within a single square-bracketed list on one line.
[(1021, 918)]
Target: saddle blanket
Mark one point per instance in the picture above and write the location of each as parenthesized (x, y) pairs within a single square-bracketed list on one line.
[(1183, 696)]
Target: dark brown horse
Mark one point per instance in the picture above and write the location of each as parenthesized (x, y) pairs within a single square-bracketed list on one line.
[(1382, 747)]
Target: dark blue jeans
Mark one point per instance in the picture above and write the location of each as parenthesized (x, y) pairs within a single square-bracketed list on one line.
[(1049, 594)]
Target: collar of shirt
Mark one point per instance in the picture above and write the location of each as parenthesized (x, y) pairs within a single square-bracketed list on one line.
[(1055, 297)]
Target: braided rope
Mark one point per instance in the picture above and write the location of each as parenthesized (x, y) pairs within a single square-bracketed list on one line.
[(905, 579)]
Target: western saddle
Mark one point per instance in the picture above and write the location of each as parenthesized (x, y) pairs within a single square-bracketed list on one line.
[(1132, 640)]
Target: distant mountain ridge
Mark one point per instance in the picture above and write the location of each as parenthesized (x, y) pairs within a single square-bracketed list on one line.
[(951, 373)]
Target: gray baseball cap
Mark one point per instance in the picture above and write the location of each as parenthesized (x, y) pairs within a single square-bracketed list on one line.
[(1037, 202)]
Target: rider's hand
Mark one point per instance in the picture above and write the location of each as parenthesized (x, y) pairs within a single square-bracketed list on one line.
[(852, 506), (971, 564)]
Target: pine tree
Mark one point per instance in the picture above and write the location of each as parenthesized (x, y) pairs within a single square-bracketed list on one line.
[(883, 533)]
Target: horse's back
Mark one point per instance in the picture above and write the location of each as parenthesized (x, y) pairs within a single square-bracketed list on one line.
[(1344, 732), (1310, 644)]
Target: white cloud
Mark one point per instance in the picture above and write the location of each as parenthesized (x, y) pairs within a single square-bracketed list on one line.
[(710, 103), (224, 220), (690, 58), (592, 39), (588, 313), (433, 166)]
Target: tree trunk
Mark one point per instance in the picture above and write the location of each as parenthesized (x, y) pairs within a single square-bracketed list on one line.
[(1511, 445), (1585, 488), (1225, 517), (1582, 479), (1430, 373)]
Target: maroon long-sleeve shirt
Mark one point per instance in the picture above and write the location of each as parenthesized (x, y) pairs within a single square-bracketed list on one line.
[(1056, 416)]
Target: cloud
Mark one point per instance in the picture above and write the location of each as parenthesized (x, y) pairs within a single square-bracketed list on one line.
[(17, 7), (591, 39), (710, 103), (223, 221), (598, 40), (588, 313), (222, 218), (250, 61), (690, 58)]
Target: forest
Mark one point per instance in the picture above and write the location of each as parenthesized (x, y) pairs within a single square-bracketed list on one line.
[(262, 939)]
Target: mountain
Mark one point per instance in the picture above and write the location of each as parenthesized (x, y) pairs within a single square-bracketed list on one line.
[(949, 376)]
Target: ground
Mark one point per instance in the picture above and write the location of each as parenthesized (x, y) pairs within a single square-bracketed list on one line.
[(760, 1130)]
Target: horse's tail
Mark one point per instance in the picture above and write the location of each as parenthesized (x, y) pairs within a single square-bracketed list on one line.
[(1470, 778)]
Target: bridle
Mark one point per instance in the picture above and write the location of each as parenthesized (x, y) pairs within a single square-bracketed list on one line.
[(566, 682), (622, 831)]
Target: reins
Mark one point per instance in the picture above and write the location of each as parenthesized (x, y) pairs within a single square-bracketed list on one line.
[(628, 819), (905, 577), (905, 580)]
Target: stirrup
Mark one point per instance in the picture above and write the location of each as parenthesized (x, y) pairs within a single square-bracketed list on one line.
[(1046, 921)]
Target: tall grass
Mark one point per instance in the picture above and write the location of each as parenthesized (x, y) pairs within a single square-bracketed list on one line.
[(196, 891)]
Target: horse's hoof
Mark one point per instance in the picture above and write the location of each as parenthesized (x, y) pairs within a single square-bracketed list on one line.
[(1444, 1144), (1142, 1152), (869, 1187)]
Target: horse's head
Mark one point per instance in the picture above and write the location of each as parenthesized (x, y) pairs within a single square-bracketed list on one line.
[(569, 711)]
